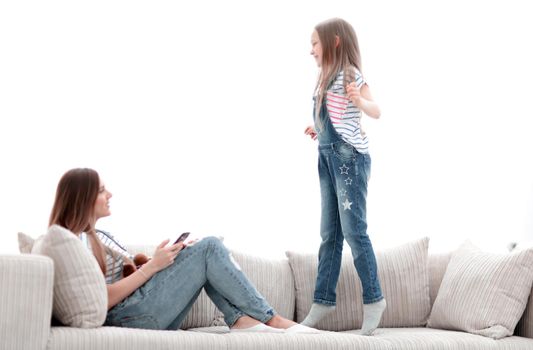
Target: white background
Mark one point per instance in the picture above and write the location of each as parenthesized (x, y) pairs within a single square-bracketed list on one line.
[(193, 113)]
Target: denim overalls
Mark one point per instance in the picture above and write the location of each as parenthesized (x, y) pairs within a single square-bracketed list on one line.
[(343, 174)]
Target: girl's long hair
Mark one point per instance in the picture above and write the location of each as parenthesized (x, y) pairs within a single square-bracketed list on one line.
[(73, 207), (335, 58)]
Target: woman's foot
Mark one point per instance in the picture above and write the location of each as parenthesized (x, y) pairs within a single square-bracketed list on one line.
[(280, 322), (248, 324), (289, 326)]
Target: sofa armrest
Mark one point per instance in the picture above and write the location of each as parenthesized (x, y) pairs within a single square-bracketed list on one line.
[(26, 295)]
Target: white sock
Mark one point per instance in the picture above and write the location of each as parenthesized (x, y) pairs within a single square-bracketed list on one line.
[(317, 312), (372, 316)]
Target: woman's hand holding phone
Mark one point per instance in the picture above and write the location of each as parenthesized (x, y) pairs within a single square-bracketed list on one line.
[(164, 255)]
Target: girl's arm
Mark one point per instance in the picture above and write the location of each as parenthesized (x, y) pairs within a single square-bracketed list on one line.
[(163, 257), (362, 98)]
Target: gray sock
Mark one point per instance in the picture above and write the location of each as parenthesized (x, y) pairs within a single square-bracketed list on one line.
[(317, 312), (372, 316)]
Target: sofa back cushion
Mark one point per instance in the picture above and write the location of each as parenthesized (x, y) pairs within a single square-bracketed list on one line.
[(80, 292), (403, 273), (438, 262), (483, 293)]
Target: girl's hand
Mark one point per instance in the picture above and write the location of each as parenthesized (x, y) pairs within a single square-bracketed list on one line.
[(310, 130), (163, 256), (354, 94)]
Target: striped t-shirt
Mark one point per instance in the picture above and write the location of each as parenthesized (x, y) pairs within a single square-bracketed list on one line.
[(114, 262), (344, 115)]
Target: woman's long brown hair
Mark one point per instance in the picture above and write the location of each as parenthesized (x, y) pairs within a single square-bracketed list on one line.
[(73, 208)]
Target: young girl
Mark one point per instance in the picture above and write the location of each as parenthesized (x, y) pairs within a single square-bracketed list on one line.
[(160, 294), (341, 96)]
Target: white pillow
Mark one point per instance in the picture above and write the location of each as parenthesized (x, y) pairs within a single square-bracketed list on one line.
[(483, 293), (25, 243), (80, 292), (403, 273)]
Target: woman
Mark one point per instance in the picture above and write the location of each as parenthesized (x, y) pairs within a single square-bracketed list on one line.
[(160, 294)]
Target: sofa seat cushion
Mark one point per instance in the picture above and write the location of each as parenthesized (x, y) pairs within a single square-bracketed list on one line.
[(403, 273), (438, 339), (111, 338), (116, 338)]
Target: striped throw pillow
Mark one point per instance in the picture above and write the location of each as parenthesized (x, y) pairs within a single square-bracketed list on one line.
[(80, 293), (483, 293)]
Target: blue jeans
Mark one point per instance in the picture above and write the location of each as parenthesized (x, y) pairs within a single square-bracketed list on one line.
[(164, 301), (344, 175)]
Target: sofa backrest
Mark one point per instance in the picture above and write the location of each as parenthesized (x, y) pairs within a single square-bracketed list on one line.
[(274, 279)]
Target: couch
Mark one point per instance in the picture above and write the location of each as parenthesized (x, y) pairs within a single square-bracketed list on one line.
[(411, 279)]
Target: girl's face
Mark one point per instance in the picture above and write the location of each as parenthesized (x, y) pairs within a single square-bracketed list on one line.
[(101, 206), (316, 48)]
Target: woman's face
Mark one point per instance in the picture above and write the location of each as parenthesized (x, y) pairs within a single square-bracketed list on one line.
[(316, 48), (101, 206)]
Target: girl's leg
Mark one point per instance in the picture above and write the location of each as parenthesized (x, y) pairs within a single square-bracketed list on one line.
[(352, 208), (330, 253), (353, 220)]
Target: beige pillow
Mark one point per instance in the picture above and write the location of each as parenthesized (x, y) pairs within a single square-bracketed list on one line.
[(483, 293), (80, 293), (403, 273), (25, 243)]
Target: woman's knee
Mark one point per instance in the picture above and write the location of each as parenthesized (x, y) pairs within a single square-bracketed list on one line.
[(209, 243)]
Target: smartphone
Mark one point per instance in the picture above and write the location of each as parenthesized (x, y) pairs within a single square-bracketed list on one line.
[(182, 237)]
